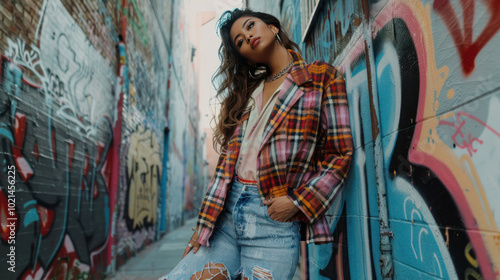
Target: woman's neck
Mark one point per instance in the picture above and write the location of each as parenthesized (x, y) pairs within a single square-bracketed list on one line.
[(280, 58)]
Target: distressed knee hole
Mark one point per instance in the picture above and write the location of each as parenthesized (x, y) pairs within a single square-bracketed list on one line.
[(212, 271), (260, 273)]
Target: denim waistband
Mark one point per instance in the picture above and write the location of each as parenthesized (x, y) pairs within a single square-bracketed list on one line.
[(244, 182), (239, 187)]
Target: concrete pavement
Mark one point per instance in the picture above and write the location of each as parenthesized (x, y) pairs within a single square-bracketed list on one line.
[(160, 258)]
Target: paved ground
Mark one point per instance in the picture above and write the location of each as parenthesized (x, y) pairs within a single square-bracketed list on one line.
[(160, 257)]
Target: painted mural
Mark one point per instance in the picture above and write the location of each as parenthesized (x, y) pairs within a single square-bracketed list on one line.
[(291, 19), (435, 90), (83, 135), (144, 165), (55, 147), (140, 191), (436, 87)]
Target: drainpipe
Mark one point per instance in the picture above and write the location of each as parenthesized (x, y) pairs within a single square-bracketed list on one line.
[(385, 262), (167, 40), (120, 89)]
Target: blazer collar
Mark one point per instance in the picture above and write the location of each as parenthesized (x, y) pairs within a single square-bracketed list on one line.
[(299, 71)]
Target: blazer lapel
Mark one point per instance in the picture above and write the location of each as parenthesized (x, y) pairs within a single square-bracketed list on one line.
[(230, 157), (287, 97), (289, 94)]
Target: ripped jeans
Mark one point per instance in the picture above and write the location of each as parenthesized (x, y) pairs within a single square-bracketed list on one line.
[(246, 242)]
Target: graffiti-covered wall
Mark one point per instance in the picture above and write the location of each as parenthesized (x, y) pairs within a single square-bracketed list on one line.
[(88, 139), (56, 118), (423, 87), (144, 121)]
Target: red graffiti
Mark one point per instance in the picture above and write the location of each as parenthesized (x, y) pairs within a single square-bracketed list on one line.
[(96, 191), (37, 154), (23, 167), (66, 266), (467, 49), (86, 165), (6, 217), (100, 149), (467, 142), (53, 136), (71, 148), (85, 170), (46, 219)]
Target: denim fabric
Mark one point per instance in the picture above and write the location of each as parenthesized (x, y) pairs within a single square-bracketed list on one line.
[(246, 241)]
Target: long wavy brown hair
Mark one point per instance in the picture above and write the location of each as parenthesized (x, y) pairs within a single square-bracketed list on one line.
[(233, 80)]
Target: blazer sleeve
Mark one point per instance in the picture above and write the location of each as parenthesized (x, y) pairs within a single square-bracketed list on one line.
[(212, 202), (315, 196)]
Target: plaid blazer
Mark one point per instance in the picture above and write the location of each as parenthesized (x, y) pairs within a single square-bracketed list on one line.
[(305, 153)]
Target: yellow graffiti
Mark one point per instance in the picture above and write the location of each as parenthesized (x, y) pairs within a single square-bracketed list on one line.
[(144, 172), (450, 94), (132, 94), (469, 257), (472, 274)]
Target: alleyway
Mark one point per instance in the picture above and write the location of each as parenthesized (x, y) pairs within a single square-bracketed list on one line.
[(160, 257), (106, 135)]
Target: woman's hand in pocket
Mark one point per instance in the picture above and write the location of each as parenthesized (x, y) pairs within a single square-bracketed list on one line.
[(281, 208)]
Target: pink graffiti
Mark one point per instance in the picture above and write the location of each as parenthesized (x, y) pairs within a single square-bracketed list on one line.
[(467, 142), (467, 49)]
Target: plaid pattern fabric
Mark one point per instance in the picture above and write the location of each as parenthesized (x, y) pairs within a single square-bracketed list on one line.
[(305, 153)]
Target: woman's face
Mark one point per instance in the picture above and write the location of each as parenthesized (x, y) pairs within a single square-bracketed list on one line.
[(253, 38)]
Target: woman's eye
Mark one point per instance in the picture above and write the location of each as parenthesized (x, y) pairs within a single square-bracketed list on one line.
[(250, 25), (240, 41)]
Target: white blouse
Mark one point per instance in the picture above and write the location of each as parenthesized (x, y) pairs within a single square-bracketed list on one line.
[(246, 166)]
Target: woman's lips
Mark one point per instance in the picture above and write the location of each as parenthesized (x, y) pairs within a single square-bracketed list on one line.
[(255, 42)]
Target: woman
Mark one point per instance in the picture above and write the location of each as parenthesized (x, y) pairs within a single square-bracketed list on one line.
[(286, 148)]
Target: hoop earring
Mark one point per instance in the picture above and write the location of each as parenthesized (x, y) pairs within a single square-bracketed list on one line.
[(278, 38), (251, 75), (256, 72)]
